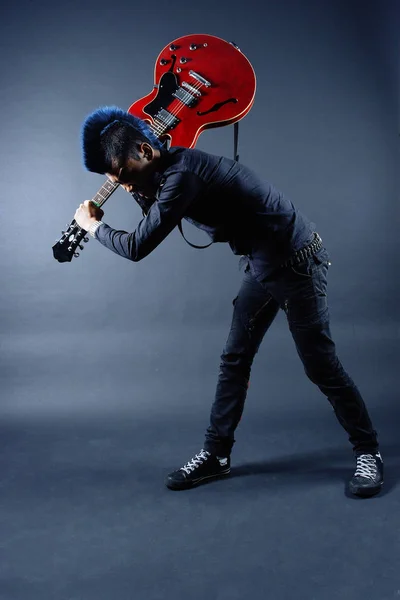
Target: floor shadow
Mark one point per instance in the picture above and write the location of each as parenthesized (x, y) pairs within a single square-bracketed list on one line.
[(321, 466)]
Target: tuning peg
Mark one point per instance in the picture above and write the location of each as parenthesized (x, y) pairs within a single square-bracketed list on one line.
[(85, 239), (76, 254), (81, 247)]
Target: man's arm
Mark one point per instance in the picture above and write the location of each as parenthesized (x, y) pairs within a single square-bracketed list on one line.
[(180, 190)]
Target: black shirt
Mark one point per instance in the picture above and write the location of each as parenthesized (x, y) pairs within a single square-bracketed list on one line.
[(222, 197)]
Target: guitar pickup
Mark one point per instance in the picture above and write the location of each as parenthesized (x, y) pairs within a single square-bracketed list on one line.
[(167, 118), (194, 91), (184, 96)]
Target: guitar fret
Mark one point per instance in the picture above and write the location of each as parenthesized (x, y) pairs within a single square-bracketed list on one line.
[(104, 192)]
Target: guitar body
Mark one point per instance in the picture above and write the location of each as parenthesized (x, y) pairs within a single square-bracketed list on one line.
[(215, 84)]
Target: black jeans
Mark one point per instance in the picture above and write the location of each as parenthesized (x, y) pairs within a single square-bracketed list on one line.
[(301, 292)]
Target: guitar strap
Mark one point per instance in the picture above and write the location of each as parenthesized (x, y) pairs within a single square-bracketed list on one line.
[(235, 140), (236, 157)]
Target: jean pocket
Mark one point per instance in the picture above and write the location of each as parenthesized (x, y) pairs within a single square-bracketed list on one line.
[(322, 257), (303, 269)]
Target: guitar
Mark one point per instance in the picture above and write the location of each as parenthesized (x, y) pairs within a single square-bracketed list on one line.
[(200, 81)]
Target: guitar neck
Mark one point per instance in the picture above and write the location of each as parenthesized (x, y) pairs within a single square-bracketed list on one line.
[(104, 192)]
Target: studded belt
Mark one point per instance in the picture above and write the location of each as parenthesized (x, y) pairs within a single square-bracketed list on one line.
[(305, 252)]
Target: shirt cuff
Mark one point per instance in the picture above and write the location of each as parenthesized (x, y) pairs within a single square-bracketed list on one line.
[(94, 226)]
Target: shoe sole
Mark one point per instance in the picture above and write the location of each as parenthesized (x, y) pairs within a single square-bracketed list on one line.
[(366, 492), (189, 484)]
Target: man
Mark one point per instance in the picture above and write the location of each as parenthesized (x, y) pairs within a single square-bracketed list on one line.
[(286, 267)]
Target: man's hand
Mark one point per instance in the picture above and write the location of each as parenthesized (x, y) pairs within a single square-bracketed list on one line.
[(88, 213)]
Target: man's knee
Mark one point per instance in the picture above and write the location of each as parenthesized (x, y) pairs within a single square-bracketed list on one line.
[(326, 371), (236, 361)]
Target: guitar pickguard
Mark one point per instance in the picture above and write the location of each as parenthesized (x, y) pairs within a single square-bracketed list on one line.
[(167, 86)]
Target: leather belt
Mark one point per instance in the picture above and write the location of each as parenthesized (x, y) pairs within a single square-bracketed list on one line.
[(305, 252)]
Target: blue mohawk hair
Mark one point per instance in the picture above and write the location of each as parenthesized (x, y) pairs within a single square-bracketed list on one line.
[(97, 123)]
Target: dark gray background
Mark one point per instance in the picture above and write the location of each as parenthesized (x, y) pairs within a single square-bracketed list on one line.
[(109, 367)]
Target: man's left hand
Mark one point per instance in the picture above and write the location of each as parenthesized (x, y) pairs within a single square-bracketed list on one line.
[(88, 213)]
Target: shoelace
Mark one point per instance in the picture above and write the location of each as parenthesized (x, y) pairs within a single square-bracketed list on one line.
[(195, 462), (366, 466)]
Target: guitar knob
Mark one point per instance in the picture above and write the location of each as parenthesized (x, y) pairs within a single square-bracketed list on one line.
[(163, 61), (193, 47), (173, 47), (76, 254), (85, 239), (183, 60)]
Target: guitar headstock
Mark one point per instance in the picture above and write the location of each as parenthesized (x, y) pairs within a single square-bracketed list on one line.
[(65, 248)]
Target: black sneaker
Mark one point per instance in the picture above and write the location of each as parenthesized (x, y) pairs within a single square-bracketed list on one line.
[(203, 466), (368, 477)]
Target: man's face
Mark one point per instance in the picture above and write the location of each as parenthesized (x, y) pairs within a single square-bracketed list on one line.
[(136, 174)]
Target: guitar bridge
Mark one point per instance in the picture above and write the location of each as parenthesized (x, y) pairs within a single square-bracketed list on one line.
[(199, 78)]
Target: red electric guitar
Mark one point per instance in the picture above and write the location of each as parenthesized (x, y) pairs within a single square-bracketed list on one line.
[(200, 81)]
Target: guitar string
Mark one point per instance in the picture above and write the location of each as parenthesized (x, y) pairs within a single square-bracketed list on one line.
[(178, 108), (196, 86), (159, 130)]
